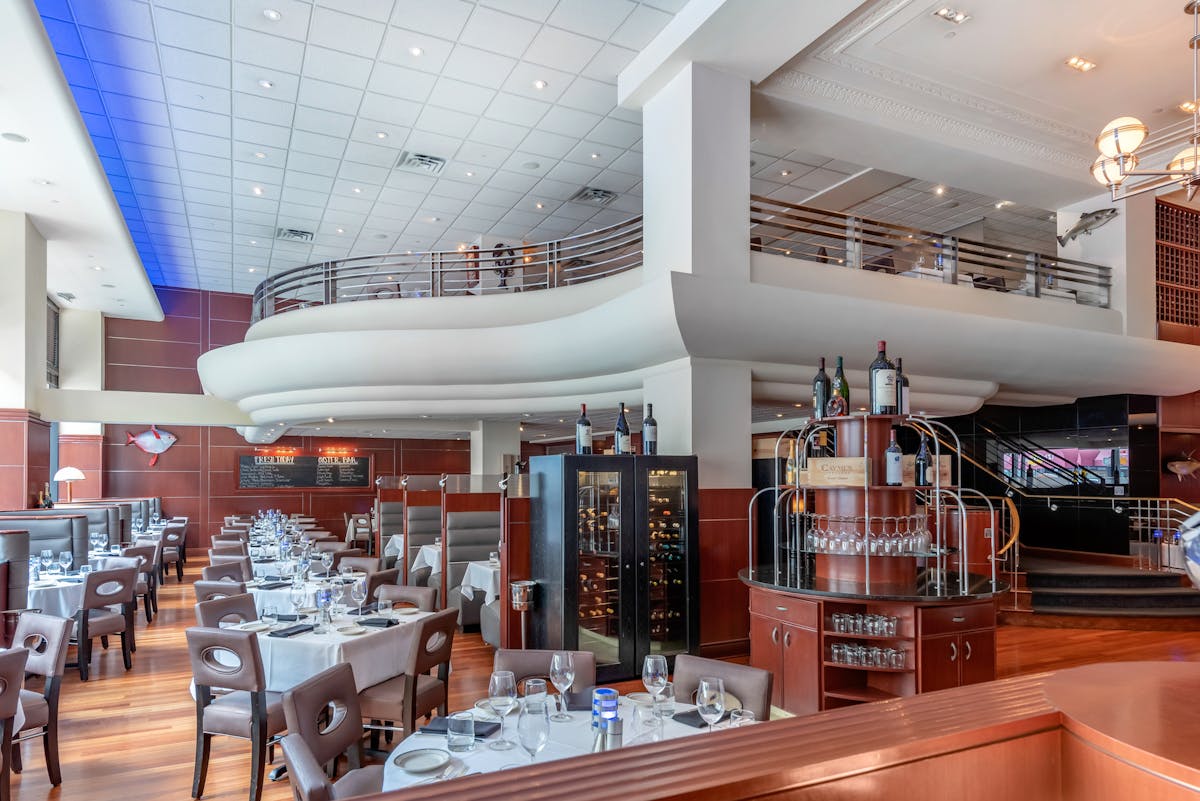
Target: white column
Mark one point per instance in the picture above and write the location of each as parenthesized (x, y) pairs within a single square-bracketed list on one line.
[(703, 407), (490, 443), (22, 312), (80, 360), (696, 168)]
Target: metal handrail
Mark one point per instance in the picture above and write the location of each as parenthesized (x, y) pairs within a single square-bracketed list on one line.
[(831, 237), (544, 265)]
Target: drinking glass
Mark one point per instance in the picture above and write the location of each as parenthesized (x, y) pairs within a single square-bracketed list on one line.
[(270, 615), (741, 717), (502, 697), (654, 674), (460, 732), (665, 708), (533, 725), (358, 594), (535, 689), (562, 675), (384, 608), (65, 559), (296, 596), (327, 561), (710, 700), (45, 558)]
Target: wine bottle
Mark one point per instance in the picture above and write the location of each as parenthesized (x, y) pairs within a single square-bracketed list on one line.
[(891, 459), (881, 383), (924, 464), (583, 431), (622, 444), (901, 387), (840, 383), (837, 403), (650, 432), (821, 390)]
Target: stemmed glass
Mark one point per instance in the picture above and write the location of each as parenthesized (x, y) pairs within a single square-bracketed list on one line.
[(296, 596), (562, 675), (45, 559), (533, 725), (654, 675), (710, 700), (358, 594), (65, 559), (502, 697), (327, 561)]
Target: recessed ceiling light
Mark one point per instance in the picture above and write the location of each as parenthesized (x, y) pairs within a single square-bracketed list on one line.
[(434, 219), (97, 268), (356, 190), (798, 405), (43, 182), (272, 14), (341, 230), (13, 137), (1003, 204), (381, 236), (470, 174), (939, 190), (390, 278), (1188, 106), (109, 286), (381, 135), (253, 241), (330, 419), (416, 51), (595, 155), (561, 420), (258, 190), (785, 173), (250, 270), (531, 165), (260, 155), (539, 84), (318, 428), (540, 205), (779, 414), (952, 15), (265, 84), (1080, 63)]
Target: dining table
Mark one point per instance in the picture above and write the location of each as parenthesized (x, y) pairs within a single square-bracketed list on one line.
[(567, 739), (429, 556), (482, 576), (56, 594)]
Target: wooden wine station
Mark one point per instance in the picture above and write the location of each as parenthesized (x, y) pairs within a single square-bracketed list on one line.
[(866, 592)]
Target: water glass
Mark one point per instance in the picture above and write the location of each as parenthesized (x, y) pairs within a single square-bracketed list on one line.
[(502, 697), (562, 675), (270, 615), (327, 561), (358, 594), (741, 717), (296, 596), (654, 674), (665, 708), (535, 689), (533, 725), (710, 700), (384, 608), (460, 732)]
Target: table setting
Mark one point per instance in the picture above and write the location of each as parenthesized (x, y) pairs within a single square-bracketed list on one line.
[(482, 576), (53, 586), (429, 556)]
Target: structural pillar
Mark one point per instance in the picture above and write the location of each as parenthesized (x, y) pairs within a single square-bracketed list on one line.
[(491, 442), (81, 366)]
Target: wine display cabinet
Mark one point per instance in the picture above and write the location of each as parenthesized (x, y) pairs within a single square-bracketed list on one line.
[(614, 555)]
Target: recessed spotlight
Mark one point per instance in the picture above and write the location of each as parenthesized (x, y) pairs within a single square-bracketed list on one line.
[(330, 419), (561, 420), (13, 137), (260, 155), (258, 190), (253, 241), (318, 428), (390, 278), (1003, 204), (381, 135), (97, 268), (952, 15), (265, 84), (779, 414), (595, 155), (415, 51), (341, 230), (434, 219), (539, 84), (109, 286), (785, 173), (272, 14), (531, 165), (798, 405), (1188, 106), (1080, 64), (939, 190), (356, 191), (381, 236), (540, 205), (43, 182), (250, 270), (470, 174)]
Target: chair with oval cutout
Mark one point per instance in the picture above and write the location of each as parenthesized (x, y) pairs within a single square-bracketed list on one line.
[(423, 598), (102, 589), (12, 677), (532, 663), (208, 590), (243, 561), (231, 610), (750, 685), (147, 577), (323, 711), (174, 549), (228, 571), (230, 659), (45, 637)]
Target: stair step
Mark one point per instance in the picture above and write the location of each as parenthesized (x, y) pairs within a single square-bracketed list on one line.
[(1130, 592), (1115, 578), (1108, 611)]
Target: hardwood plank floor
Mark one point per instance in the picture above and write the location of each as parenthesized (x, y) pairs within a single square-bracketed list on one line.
[(130, 736)]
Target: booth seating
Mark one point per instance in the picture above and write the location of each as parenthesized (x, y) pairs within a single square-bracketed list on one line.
[(489, 623), (100, 519), (124, 515), (390, 515), (58, 533), (14, 551), (423, 526), (470, 537)]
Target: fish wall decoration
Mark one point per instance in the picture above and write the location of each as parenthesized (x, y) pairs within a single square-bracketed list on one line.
[(1183, 468), (1089, 221), (152, 441)]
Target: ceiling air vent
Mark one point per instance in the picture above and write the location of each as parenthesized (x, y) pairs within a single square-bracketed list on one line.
[(293, 235), (420, 163), (594, 196)]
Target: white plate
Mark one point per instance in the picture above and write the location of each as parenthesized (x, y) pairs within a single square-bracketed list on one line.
[(406, 610), (423, 760), (253, 625), (307, 610), (352, 630)]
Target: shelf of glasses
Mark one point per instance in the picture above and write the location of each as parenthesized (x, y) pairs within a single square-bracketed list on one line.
[(868, 668), (861, 694), (845, 635)]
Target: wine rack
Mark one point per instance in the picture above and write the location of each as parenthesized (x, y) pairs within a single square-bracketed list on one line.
[(667, 561)]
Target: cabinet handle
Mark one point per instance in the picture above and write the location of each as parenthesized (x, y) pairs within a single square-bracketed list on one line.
[(959, 619), (782, 608), (787, 639), (953, 652), (967, 645), (775, 635)]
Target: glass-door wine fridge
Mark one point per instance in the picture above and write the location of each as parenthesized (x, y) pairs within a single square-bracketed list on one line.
[(614, 555)]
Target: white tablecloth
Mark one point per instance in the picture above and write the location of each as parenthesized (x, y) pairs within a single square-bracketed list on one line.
[(282, 596), (394, 546), (566, 740), (262, 569), (429, 556), (482, 576), (374, 656), (56, 597)]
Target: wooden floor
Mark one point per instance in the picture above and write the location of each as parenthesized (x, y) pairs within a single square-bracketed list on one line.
[(130, 736)]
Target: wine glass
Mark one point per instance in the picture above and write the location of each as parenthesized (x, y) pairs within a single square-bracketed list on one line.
[(533, 725), (502, 697), (327, 561), (296, 596), (65, 559), (358, 594), (710, 700), (654, 675), (562, 675), (45, 559)]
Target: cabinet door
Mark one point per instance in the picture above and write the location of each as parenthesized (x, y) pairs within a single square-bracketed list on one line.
[(766, 652), (978, 657), (940, 658), (801, 669)]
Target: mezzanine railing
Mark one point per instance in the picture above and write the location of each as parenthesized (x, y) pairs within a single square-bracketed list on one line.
[(842, 240)]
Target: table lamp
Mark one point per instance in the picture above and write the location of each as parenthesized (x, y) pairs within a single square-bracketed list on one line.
[(66, 475)]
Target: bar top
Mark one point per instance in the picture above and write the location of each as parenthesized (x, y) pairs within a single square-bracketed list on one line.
[(926, 587)]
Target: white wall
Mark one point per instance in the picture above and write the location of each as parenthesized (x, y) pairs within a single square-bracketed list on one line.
[(22, 311)]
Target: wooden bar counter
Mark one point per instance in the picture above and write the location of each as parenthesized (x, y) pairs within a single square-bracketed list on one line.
[(1107, 732)]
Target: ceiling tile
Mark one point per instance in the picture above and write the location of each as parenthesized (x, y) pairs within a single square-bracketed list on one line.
[(614, 181), (389, 110), (329, 96), (126, 51), (587, 17), (456, 189), (473, 152), (445, 121), (308, 142), (500, 134), (461, 96), (379, 10), (444, 19), (200, 143), (296, 179), (273, 135), (335, 66), (189, 119), (324, 122), (516, 110), (608, 63), (577, 174), (196, 95), (199, 67), (374, 155), (134, 83), (266, 51), (293, 22), (546, 144), (616, 133), (498, 32), (263, 109), (521, 81), (592, 153), (562, 50), (137, 109), (398, 43), (433, 144), (478, 66), (402, 82), (202, 163), (361, 176), (511, 181), (117, 16), (589, 95), (192, 32), (334, 29), (537, 10), (641, 27)]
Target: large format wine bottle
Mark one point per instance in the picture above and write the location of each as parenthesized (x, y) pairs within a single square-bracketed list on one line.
[(892, 462), (901, 387), (841, 384), (924, 464), (821, 391), (881, 383), (583, 431), (649, 432), (622, 442)]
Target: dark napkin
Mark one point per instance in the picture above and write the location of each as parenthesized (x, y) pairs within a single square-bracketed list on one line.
[(367, 610), (275, 585), (263, 560), (70, 580), (289, 618), (579, 701), (273, 578), (379, 622), (692, 718), (482, 728), (291, 631), (321, 575)]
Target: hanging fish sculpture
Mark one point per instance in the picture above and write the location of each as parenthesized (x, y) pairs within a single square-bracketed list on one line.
[(1185, 467), (153, 442), (1088, 222)]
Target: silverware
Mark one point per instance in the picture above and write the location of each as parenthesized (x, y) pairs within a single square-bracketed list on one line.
[(450, 772)]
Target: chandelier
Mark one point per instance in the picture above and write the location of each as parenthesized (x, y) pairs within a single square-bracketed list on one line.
[(1120, 139)]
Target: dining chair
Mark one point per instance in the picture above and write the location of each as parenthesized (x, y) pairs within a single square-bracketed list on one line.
[(102, 589), (380, 579), (750, 685), (227, 539), (307, 777), (229, 571), (427, 645), (323, 711), (533, 663), (208, 590), (423, 598), (45, 637), (364, 564), (227, 549), (174, 551), (230, 659), (242, 561), (147, 578), (12, 678), (338, 556), (328, 543), (233, 609)]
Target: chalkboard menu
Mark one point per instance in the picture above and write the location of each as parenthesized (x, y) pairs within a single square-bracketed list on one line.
[(320, 472)]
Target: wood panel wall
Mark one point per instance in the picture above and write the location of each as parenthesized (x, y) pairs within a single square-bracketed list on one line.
[(85, 451), (724, 599), (24, 457)]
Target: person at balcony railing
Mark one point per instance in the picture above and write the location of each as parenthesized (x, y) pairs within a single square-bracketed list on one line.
[(503, 257)]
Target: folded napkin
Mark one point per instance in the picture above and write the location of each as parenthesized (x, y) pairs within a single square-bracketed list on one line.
[(273, 578), (274, 585), (483, 729), (367, 610), (263, 561), (692, 718), (291, 631), (71, 580), (379, 622), (289, 618), (321, 575)]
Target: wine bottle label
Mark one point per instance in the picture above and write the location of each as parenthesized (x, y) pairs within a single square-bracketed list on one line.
[(904, 409), (624, 443), (583, 436), (895, 471), (885, 388), (649, 433)]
